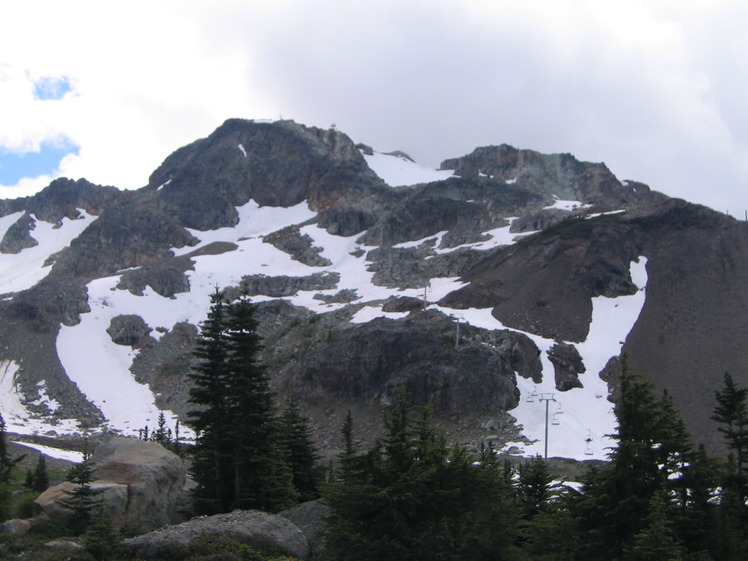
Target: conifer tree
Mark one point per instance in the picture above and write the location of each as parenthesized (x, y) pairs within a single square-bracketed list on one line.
[(40, 477), (102, 540), (657, 541), (211, 467), (615, 502), (731, 412), (83, 499), (239, 461), (412, 498), (6, 462), (261, 477), (301, 455)]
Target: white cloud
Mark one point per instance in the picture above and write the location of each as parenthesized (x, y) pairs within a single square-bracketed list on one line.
[(655, 89)]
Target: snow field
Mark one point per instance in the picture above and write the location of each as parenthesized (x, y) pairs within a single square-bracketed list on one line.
[(23, 270), (397, 171)]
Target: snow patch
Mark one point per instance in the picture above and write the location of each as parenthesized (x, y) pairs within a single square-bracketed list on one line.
[(397, 171), (23, 270)]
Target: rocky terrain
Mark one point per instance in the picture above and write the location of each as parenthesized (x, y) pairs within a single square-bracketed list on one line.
[(470, 290)]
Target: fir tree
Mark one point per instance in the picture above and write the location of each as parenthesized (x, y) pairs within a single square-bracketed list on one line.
[(40, 477), (615, 501), (412, 498), (301, 455), (239, 460), (162, 434), (6, 462), (82, 500), (657, 541), (102, 540), (731, 412), (211, 467), (261, 477)]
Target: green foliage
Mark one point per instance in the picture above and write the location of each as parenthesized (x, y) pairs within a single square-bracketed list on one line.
[(38, 480), (241, 456), (412, 497), (82, 500), (6, 494), (301, 455), (6, 462), (102, 540)]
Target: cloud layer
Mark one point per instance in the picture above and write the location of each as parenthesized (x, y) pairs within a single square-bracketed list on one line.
[(655, 89)]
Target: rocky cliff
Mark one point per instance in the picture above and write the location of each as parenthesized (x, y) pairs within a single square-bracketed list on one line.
[(363, 287)]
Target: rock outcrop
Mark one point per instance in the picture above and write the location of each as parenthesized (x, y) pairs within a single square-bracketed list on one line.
[(140, 483), (267, 532)]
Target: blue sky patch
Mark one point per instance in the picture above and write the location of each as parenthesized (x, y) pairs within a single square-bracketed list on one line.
[(14, 167), (52, 88)]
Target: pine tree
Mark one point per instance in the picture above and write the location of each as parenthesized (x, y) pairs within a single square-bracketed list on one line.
[(40, 477), (239, 461), (657, 541), (301, 455), (102, 540), (162, 434), (83, 499), (412, 498), (615, 501), (6, 462), (731, 412), (261, 477), (211, 467)]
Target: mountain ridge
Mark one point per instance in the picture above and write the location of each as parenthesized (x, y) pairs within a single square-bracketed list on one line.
[(300, 215)]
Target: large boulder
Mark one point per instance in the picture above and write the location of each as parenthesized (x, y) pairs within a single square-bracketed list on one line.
[(154, 477), (267, 532), (140, 483), (114, 495), (311, 518)]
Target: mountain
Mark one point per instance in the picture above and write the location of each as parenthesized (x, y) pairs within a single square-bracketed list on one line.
[(502, 288)]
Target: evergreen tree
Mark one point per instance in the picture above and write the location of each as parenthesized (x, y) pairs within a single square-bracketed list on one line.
[(412, 498), (40, 477), (6, 462), (239, 460), (534, 487), (102, 540), (301, 455), (657, 541), (615, 501), (211, 467), (731, 412), (261, 477), (83, 499), (162, 434)]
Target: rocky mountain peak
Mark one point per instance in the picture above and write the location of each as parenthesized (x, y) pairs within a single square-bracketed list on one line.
[(552, 175)]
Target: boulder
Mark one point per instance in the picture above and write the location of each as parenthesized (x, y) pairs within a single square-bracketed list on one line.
[(140, 482), (154, 477), (113, 494), (267, 532), (15, 526), (311, 518)]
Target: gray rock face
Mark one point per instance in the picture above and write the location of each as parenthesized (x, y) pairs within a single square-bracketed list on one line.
[(369, 360), (267, 532), (18, 236), (280, 286), (561, 175), (567, 365), (311, 518), (298, 246), (128, 330)]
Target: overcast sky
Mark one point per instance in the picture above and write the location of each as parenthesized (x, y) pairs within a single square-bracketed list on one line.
[(656, 89)]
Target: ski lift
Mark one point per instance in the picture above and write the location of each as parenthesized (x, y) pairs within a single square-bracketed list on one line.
[(532, 395), (588, 441), (555, 421), (559, 409)]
